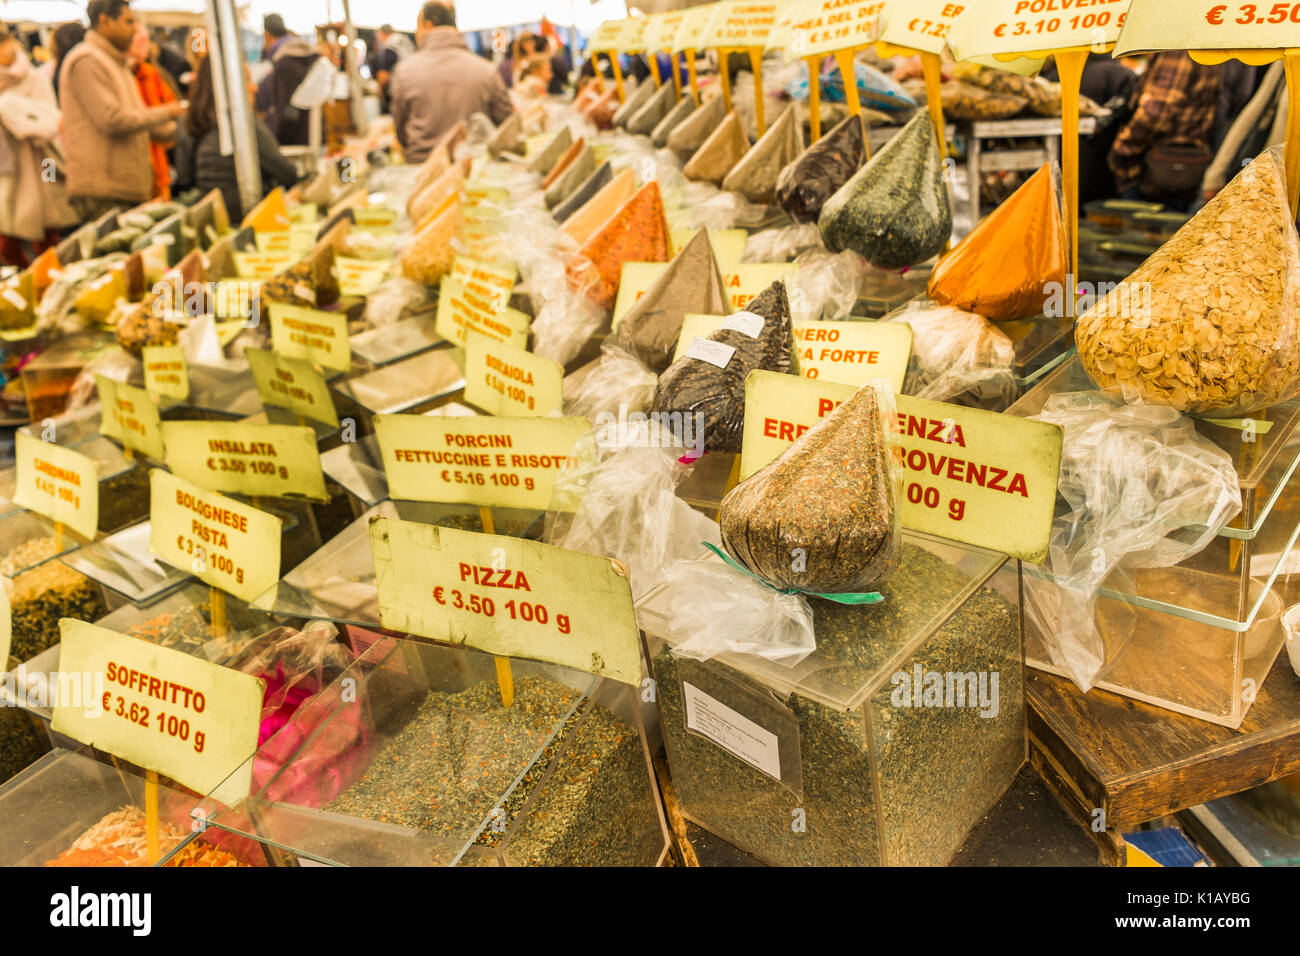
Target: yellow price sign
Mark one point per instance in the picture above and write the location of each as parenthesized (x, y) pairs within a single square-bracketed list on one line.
[(247, 459), (160, 708), (129, 415), (461, 311), (1001, 27), (827, 26), (853, 353), (278, 241), (292, 384), (262, 265), (977, 477), (740, 24), (507, 596), (921, 25), (165, 372), (504, 380), (492, 462), (56, 482), (375, 218), (1209, 25), (606, 37), (661, 30), (230, 545), (483, 278), (311, 335), (360, 276)]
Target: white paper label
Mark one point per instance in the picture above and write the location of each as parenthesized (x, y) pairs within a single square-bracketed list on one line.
[(732, 731), (746, 323), (16, 300), (304, 291), (715, 353)]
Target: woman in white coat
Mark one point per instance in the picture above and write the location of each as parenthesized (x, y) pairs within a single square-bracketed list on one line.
[(33, 195)]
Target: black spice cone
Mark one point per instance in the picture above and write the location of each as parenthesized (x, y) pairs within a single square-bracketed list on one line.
[(804, 186)]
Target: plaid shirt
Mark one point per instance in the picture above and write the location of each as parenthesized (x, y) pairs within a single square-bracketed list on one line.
[(1176, 102)]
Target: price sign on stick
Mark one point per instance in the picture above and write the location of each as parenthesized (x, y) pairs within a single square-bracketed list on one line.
[(1212, 32), (606, 40), (660, 36), (165, 372), (690, 39), (819, 27), (247, 459), (129, 415), (507, 596), (311, 335), (504, 380), (972, 476), (56, 482), (742, 25), (160, 708), (1008, 29), (292, 384)]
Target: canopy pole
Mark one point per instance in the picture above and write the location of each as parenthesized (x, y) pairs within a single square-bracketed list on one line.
[(354, 71), (213, 53), (248, 169)]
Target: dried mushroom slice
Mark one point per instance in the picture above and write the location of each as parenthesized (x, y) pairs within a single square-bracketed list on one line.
[(805, 184), (1211, 322), (638, 232), (755, 176), (894, 212), (691, 283), (829, 498)]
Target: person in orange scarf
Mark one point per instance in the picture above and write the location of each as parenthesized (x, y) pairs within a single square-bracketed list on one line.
[(155, 91)]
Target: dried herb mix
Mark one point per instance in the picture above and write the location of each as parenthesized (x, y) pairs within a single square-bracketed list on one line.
[(588, 188), (719, 154), (552, 152), (691, 132), (829, 496), (121, 839), (638, 232), (22, 742), (894, 211), (1008, 264), (913, 749), (1211, 322), (755, 176), (691, 283), (644, 120), (43, 595), (429, 256), (32, 551), (692, 385), (805, 184), (684, 108)]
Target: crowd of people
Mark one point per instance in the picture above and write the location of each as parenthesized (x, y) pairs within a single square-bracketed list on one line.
[(113, 114)]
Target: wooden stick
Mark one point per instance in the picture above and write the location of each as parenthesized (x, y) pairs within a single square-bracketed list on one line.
[(58, 536), (485, 519), (505, 677), (654, 68), (814, 98), (724, 75), (690, 73), (756, 67), (618, 77), (844, 60), (931, 68), (218, 601), (1069, 66), (153, 850), (1291, 63), (677, 78)]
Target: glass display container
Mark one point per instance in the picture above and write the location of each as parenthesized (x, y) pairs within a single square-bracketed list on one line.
[(402, 339), (48, 378), (410, 385)]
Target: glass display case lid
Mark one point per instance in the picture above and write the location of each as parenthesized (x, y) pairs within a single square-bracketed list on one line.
[(405, 384), (28, 540), (389, 343), (122, 563), (356, 466)]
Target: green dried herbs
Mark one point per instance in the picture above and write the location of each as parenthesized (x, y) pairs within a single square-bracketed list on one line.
[(894, 212), (43, 595), (709, 379), (821, 517)]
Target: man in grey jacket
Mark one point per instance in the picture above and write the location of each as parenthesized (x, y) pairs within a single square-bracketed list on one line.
[(441, 84)]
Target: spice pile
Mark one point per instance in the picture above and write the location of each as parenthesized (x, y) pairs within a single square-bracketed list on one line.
[(31, 551), (41, 597), (120, 839)]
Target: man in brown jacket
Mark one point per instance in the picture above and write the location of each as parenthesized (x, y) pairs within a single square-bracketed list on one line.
[(106, 126), (441, 84)]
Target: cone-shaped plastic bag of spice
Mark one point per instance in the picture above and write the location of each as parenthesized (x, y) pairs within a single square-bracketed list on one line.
[(42, 269), (1007, 267), (829, 501), (584, 193), (709, 379), (509, 136), (551, 153), (720, 153), (638, 232), (805, 184), (601, 112), (637, 97), (434, 166), (1211, 322), (429, 256), (894, 212), (675, 117), (600, 208), (691, 132), (644, 120), (269, 215), (564, 182), (755, 176), (691, 283), (435, 197), (564, 162), (311, 282)]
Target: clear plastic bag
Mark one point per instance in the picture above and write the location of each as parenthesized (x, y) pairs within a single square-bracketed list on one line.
[(782, 243), (1211, 322), (394, 299), (709, 379), (894, 211), (956, 353), (965, 101), (820, 170), (756, 174), (822, 517), (615, 383), (638, 232), (719, 153), (1132, 476), (825, 286)]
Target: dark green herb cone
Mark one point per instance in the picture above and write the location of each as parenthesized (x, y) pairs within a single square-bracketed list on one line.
[(638, 98), (691, 132), (550, 155), (715, 386), (804, 186), (644, 121), (821, 517), (684, 108), (755, 176), (691, 283), (894, 212), (578, 198), (572, 178)]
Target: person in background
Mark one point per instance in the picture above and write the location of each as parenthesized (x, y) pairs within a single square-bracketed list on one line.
[(1107, 82), (155, 91), (291, 57), (561, 61), (106, 126), (1173, 107), (522, 50), (534, 78), (390, 47), (442, 84), (33, 206), (171, 61), (65, 38), (207, 168)]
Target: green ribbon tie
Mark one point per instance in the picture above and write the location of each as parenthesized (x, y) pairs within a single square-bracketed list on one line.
[(866, 597)]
